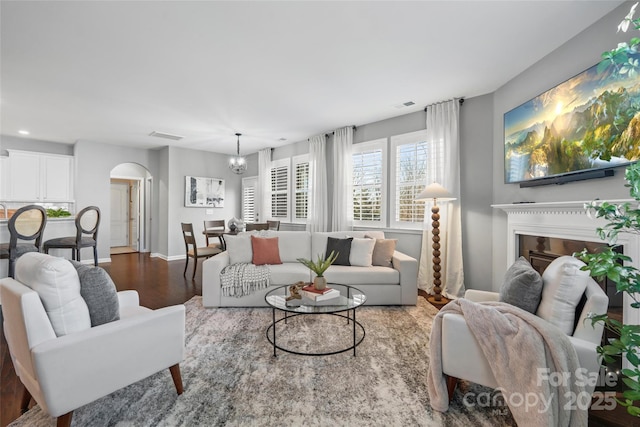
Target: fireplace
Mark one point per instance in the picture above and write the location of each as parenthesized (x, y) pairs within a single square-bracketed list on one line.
[(542, 231)]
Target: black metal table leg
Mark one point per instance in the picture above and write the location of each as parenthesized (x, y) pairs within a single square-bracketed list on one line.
[(354, 331), (273, 318)]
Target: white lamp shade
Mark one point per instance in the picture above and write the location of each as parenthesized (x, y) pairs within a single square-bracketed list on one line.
[(435, 191)]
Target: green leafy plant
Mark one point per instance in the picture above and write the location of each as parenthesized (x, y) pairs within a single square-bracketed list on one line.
[(610, 264), (620, 218), (58, 213), (320, 265)]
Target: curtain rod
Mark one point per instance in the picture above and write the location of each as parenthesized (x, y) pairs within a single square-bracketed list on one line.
[(461, 101), (326, 135)]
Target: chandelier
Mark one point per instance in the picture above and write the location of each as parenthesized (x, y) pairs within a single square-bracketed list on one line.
[(238, 164)]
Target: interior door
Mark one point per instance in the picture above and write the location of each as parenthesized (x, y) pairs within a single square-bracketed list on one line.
[(134, 215), (119, 214)]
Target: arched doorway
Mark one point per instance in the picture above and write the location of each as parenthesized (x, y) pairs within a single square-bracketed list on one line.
[(130, 209)]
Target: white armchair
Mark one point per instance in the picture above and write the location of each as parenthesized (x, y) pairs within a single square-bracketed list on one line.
[(64, 373), (462, 357)]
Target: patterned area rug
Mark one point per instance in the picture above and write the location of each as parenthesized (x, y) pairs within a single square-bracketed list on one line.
[(231, 377)]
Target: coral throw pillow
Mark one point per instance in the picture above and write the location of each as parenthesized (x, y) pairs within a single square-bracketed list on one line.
[(265, 250)]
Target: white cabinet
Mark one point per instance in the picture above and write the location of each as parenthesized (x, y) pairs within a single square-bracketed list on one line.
[(4, 177), (38, 177), (56, 178)]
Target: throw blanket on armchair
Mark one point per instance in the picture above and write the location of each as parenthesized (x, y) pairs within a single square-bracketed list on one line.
[(238, 280), (517, 343)]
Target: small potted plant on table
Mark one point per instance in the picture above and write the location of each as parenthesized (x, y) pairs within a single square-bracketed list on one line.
[(319, 267)]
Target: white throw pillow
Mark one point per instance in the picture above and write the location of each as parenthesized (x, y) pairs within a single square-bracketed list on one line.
[(361, 252), (239, 248), (563, 286), (58, 286)]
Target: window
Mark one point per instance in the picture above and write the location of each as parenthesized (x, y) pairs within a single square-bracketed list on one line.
[(280, 190), (300, 202), (249, 189), (369, 183), (408, 178)]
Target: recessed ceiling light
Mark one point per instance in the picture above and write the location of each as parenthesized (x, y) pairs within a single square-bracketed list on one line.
[(166, 135), (23, 132), (282, 139)]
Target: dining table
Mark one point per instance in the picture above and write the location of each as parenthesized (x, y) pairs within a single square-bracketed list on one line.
[(213, 233)]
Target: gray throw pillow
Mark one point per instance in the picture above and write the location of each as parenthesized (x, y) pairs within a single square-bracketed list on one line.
[(522, 286), (99, 292), (340, 246)]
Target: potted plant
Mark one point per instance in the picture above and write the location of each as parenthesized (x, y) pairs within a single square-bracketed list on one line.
[(319, 267), (621, 218)]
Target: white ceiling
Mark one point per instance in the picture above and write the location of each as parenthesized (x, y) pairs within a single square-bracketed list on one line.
[(113, 72)]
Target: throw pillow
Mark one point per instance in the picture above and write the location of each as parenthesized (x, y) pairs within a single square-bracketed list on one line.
[(564, 285), (383, 252), (361, 252), (522, 286), (340, 246), (99, 292), (239, 248), (265, 250), (58, 286)]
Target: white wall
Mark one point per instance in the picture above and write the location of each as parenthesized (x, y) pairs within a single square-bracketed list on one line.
[(573, 57)]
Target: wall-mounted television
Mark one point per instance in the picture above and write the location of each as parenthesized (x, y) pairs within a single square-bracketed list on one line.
[(582, 128)]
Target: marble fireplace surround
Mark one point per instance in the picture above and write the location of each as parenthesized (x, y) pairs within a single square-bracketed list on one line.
[(565, 220)]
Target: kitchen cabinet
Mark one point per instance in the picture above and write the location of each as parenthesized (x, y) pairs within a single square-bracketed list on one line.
[(37, 177)]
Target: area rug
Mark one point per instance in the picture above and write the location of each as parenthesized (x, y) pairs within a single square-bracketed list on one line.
[(231, 377)]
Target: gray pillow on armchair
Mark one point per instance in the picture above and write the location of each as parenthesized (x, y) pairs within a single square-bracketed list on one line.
[(99, 292), (522, 286)]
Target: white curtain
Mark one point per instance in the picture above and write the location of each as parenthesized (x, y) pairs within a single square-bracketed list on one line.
[(443, 167), (317, 212), (264, 184), (342, 213)]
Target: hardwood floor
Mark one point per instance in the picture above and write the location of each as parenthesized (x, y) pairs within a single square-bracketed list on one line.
[(161, 284)]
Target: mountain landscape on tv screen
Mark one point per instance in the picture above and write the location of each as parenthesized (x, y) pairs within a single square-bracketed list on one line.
[(603, 131)]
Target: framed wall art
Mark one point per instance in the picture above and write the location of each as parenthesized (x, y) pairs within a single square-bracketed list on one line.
[(202, 192)]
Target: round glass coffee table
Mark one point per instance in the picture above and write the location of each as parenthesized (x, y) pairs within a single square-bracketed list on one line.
[(343, 306)]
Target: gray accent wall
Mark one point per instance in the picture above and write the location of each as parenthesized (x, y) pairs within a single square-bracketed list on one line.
[(575, 56)]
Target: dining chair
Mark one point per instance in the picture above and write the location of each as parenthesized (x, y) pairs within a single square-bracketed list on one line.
[(257, 226), (274, 225), (192, 249), (214, 228), (26, 224), (87, 223)]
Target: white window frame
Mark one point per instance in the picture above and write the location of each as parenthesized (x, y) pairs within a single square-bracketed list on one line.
[(377, 144), (282, 163), (396, 141), (250, 190), (295, 161)]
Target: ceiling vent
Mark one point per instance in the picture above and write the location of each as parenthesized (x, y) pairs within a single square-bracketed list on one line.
[(405, 104), (166, 135)]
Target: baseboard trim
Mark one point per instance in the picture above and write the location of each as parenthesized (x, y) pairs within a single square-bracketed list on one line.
[(167, 258)]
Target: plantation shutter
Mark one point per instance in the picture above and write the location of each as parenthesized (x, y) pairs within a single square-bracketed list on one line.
[(411, 174), (280, 192), (249, 189), (301, 182), (367, 185)]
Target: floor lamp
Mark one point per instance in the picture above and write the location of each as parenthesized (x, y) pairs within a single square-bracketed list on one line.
[(436, 192)]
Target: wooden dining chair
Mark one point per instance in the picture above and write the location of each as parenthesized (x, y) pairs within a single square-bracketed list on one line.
[(257, 226), (87, 223), (192, 249), (274, 225), (214, 228), (26, 224)]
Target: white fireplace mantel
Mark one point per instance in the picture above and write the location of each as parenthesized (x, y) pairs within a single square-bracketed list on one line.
[(565, 220)]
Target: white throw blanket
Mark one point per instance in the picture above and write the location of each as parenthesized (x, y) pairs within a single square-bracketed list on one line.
[(516, 343), (238, 280)]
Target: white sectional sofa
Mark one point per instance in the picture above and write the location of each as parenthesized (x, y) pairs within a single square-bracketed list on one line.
[(382, 285)]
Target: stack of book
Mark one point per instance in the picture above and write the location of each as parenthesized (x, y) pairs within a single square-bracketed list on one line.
[(310, 292)]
